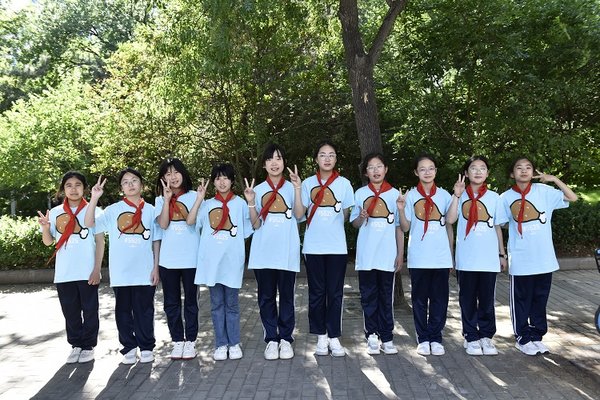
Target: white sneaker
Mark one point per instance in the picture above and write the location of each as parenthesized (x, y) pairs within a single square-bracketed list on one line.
[(322, 346), (235, 352), (541, 346), (272, 351), (389, 348), (189, 350), (146, 356), (488, 347), (130, 357), (177, 352), (336, 347), (286, 351), (474, 348), (373, 344), (423, 349), (220, 353), (528, 348), (86, 356), (74, 355), (437, 349)]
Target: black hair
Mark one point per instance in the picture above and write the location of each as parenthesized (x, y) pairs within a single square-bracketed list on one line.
[(468, 163), (176, 163), (225, 169), (369, 157), (322, 143), (423, 156), (131, 171), (71, 174), (516, 160), (272, 148)]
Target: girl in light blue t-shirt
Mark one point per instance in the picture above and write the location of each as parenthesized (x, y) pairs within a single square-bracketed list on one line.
[(79, 252)]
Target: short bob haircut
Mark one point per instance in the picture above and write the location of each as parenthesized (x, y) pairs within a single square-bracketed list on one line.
[(272, 148), (224, 169), (471, 159), (131, 171), (322, 143), (516, 160), (369, 157), (71, 174), (423, 156), (176, 163)]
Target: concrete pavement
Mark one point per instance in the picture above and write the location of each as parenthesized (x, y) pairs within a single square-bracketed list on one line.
[(33, 348)]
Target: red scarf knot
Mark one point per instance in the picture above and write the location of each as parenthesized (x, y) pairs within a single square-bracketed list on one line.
[(173, 208), (321, 193), (385, 186), (274, 190), (70, 227), (225, 215), (429, 204), (473, 212), (523, 193), (136, 220)]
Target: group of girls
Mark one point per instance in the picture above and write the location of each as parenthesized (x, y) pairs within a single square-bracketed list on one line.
[(186, 240)]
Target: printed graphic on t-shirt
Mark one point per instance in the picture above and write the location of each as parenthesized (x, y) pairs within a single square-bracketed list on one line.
[(126, 219), (530, 213), (435, 214), (380, 211), (279, 206), (214, 217), (180, 213), (61, 223), (482, 212), (329, 199)]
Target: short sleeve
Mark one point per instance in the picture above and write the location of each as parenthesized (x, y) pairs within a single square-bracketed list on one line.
[(348, 200), (247, 223), (158, 206)]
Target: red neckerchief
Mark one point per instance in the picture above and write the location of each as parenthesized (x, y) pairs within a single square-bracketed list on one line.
[(225, 215), (428, 204), (274, 190), (472, 220), (321, 193), (70, 227), (136, 220), (384, 188), (173, 205), (523, 193)]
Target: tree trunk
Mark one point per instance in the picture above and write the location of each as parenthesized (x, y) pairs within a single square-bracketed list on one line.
[(360, 64)]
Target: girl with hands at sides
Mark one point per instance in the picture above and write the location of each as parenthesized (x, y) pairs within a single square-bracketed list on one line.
[(423, 212), (480, 253), (178, 255), (133, 263), (379, 252), (275, 250), (79, 252), (326, 198), (223, 222), (531, 258)]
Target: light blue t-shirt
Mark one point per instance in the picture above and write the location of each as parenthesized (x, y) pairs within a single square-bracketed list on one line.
[(376, 244), (221, 255), (479, 250), (130, 255), (326, 234), (179, 242), (433, 251), (532, 253), (75, 261), (276, 244)]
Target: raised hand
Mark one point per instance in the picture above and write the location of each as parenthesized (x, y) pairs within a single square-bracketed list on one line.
[(98, 188), (167, 191), (44, 220), (401, 200), (459, 186), (544, 178), (201, 191), (294, 177), (249, 193)]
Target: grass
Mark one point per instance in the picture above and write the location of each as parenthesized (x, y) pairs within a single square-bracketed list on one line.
[(591, 196)]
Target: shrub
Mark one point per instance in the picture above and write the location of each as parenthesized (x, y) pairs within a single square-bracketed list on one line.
[(21, 244), (576, 230)]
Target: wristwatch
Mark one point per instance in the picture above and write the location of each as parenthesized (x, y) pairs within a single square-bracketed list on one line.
[(505, 256)]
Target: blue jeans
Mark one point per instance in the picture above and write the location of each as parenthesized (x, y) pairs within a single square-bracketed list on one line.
[(225, 311)]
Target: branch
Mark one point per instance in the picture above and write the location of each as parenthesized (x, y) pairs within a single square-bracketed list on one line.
[(396, 6)]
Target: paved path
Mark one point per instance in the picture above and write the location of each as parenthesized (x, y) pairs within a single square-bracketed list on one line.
[(33, 349)]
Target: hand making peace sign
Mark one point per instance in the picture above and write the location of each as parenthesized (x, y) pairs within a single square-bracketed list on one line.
[(294, 177), (249, 193), (459, 186), (201, 191), (167, 191), (98, 188)]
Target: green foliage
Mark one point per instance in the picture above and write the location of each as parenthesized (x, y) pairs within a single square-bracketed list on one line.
[(21, 244), (576, 230)]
